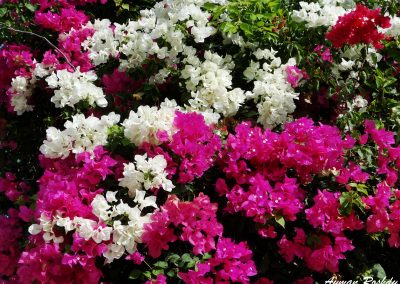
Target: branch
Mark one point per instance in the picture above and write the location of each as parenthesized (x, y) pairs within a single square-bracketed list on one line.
[(3, 26)]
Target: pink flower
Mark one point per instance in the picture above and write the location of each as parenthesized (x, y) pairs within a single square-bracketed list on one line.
[(195, 221), (231, 263), (294, 75), (325, 213), (136, 257), (195, 144)]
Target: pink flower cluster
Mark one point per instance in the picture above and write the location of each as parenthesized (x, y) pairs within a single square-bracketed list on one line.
[(295, 75), (230, 263), (67, 16), (67, 189), (193, 148), (69, 186), (302, 146), (324, 52), (259, 161), (194, 222), (12, 189), (46, 263), (10, 234), (67, 19), (118, 83), (325, 214), (260, 200), (322, 255)]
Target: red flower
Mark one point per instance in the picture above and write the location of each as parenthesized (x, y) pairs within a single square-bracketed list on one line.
[(359, 26)]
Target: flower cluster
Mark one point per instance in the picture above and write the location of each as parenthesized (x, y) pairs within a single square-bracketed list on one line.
[(231, 262), (194, 222), (199, 141), (273, 86), (75, 87), (322, 13), (322, 255), (359, 26), (80, 135)]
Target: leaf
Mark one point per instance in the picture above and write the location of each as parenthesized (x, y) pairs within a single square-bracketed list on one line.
[(3, 11), (173, 258), (30, 7), (378, 271), (147, 274), (280, 220), (246, 28), (346, 203), (186, 257), (135, 274), (156, 272), (161, 264)]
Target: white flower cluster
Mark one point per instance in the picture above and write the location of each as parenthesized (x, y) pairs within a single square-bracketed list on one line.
[(125, 236), (272, 91), (21, 88), (210, 83), (352, 62), (102, 44), (80, 135), (86, 228), (20, 91), (73, 87), (322, 13), (142, 126), (358, 103), (136, 40), (145, 173)]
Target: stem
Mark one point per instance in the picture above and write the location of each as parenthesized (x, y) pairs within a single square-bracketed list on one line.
[(42, 37)]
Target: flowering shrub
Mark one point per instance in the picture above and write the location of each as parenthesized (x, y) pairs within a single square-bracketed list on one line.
[(205, 141)]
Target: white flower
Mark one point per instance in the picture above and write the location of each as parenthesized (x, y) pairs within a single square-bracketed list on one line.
[(324, 13), (132, 179), (146, 172), (100, 207), (20, 91), (144, 201), (273, 93), (114, 251), (75, 87), (358, 103), (210, 84), (142, 126), (80, 135)]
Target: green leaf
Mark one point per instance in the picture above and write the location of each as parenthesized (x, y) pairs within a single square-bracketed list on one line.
[(147, 274), (3, 11), (30, 7), (191, 264), (173, 258), (346, 203), (161, 264), (280, 220), (246, 28), (156, 272), (378, 271), (135, 274), (186, 257), (171, 273)]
